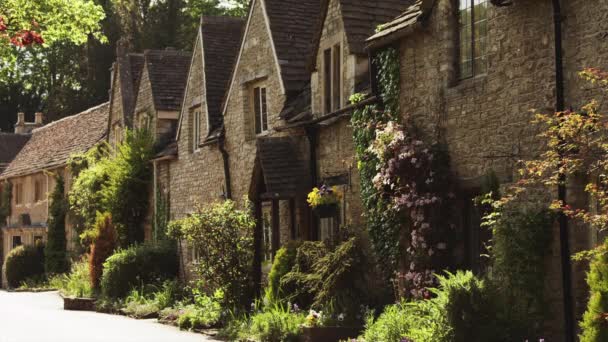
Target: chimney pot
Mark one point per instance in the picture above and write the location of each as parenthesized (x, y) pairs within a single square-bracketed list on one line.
[(39, 118), (20, 118)]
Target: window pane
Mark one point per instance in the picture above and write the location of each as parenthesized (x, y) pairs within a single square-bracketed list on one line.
[(264, 110), (337, 66), (327, 80), (256, 108), (466, 69), (465, 39)]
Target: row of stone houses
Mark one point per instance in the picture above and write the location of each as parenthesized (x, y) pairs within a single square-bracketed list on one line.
[(260, 109)]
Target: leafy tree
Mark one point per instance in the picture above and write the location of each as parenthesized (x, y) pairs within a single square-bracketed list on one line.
[(593, 326), (55, 260), (222, 235)]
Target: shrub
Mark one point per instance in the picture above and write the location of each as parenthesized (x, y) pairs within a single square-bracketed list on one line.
[(462, 310), (104, 243), (138, 264), (222, 234), (55, 256), (75, 284), (22, 263), (284, 261), (149, 300), (520, 244), (593, 326), (206, 311), (276, 324), (302, 278)]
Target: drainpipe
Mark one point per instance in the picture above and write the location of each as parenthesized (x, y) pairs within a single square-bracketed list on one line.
[(312, 134), (562, 191), (226, 158)]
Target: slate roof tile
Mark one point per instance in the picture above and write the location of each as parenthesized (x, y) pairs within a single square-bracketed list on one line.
[(168, 72), (285, 173), (10, 145)]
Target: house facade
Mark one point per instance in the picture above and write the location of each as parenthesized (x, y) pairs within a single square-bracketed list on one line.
[(473, 74), (31, 174)]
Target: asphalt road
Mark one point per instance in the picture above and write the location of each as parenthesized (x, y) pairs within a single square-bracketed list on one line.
[(39, 317)]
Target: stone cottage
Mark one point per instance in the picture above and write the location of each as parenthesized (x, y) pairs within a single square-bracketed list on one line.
[(31, 173), (193, 170), (157, 106), (472, 71)]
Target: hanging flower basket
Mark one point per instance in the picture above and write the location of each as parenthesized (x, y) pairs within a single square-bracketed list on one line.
[(325, 201)]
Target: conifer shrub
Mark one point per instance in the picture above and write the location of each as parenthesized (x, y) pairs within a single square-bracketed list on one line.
[(594, 326), (23, 263), (104, 242), (55, 254), (284, 261), (138, 264)]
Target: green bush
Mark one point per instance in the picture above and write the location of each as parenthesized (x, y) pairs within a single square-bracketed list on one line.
[(75, 284), (222, 234), (284, 261), (302, 278), (55, 254), (462, 310), (22, 263), (138, 264), (276, 324), (206, 311), (593, 326), (149, 300)]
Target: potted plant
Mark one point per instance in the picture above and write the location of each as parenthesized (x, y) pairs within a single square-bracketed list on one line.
[(325, 201), (319, 328)]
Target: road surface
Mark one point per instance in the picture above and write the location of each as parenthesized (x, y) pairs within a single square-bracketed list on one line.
[(39, 317)]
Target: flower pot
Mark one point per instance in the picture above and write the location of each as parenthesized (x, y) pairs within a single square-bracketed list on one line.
[(78, 304), (326, 211), (329, 334)]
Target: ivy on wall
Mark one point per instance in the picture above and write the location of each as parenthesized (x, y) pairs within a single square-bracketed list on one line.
[(405, 187), (5, 202)]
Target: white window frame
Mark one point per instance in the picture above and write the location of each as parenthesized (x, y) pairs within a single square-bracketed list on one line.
[(196, 129), (335, 51), (262, 102)]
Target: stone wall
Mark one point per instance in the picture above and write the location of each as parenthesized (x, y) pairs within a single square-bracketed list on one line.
[(197, 176), (485, 121)]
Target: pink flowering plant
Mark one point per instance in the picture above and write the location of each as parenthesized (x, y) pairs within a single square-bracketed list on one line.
[(407, 179)]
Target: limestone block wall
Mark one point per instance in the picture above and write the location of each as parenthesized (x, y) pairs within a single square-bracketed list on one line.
[(485, 121)]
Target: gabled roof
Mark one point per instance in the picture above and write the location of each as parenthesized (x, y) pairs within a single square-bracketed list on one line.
[(361, 18), (10, 145), (168, 73), (52, 145), (404, 24), (221, 38), (285, 175), (129, 68), (292, 24)]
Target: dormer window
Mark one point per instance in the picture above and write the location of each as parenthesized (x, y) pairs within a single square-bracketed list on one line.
[(196, 129), (260, 109), (332, 79), (473, 31)]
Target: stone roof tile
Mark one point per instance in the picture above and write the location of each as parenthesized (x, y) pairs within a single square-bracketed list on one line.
[(168, 72), (10, 145), (221, 42), (285, 175), (52, 145)]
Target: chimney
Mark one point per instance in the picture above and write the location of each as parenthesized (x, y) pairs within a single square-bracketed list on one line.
[(39, 119), (20, 125)]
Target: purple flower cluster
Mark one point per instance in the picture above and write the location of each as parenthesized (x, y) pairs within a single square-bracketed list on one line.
[(407, 179)]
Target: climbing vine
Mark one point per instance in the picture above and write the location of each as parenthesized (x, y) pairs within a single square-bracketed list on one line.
[(405, 187), (6, 194)]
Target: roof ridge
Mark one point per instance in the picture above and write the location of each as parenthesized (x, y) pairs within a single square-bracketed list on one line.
[(70, 117)]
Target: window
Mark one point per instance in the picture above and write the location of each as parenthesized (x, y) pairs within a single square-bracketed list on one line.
[(260, 108), (327, 229), (37, 191), (332, 76), (196, 130), (473, 19), (38, 240), (16, 241), (18, 193)]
